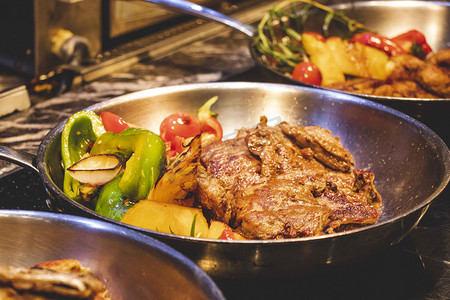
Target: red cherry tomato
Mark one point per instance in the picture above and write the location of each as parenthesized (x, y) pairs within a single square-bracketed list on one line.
[(227, 234), (307, 72), (113, 122), (177, 127), (211, 125)]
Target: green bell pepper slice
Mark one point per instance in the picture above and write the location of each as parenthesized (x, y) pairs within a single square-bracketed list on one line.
[(146, 153), (81, 130), (111, 201)]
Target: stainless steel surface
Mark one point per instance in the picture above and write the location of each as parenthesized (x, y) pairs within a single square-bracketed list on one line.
[(395, 17), (411, 163), (81, 19), (206, 13), (18, 157), (126, 51), (132, 265), (391, 18)]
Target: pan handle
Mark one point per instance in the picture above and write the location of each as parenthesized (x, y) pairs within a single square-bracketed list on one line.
[(18, 157), (205, 13)]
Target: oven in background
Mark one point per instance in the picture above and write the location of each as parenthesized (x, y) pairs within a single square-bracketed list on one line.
[(39, 35)]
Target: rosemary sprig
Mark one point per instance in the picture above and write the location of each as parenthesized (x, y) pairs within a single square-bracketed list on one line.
[(279, 31)]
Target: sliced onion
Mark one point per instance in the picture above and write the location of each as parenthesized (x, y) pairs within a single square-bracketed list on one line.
[(96, 169)]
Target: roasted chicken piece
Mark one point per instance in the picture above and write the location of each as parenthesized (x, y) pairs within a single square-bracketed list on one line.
[(430, 76), (411, 78), (441, 59), (369, 86)]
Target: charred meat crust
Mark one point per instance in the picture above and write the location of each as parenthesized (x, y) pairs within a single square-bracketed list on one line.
[(285, 182)]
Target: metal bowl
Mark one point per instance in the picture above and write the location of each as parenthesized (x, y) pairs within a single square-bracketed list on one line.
[(411, 164), (132, 265)]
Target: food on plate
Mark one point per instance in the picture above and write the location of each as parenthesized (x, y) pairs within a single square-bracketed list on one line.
[(413, 42), (96, 169), (57, 279), (168, 218), (283, 181), (412, 77), (323, 59), (180, 177), (141, 151), (178, 127), (349, 56), (111, 165), (307, 72)]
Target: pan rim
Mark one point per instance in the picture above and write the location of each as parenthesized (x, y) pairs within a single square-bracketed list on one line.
[(429, 134)]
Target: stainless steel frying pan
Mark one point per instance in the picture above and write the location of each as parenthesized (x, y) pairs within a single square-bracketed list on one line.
[(411, 164), (389, 18), (131, 265)]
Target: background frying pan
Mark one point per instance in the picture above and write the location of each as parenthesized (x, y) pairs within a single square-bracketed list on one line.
[(411, 164), (131, 265), (389, 18)]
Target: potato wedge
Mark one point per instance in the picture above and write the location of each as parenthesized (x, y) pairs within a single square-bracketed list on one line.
[(348, 56), (167, 218), (321, 56), (378, 62)]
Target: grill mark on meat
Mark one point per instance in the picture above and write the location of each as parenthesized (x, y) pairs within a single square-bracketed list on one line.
[(347, 212), (278, 154), (232, 163), (279, 209), (327, 148), (268, 185), (227, 169)]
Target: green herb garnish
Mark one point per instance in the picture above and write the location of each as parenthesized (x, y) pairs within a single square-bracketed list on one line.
[(279, 32)]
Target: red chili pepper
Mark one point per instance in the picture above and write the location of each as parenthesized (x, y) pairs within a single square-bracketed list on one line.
[(413, 42), (379, 42)]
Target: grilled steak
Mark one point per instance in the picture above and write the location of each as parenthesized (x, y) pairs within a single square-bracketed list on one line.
[(284, 182)]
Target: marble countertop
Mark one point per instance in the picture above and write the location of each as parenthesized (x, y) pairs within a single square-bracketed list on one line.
[(214, 59)]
